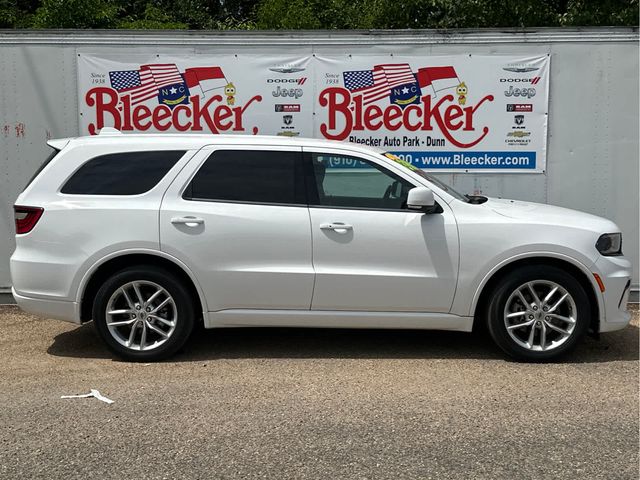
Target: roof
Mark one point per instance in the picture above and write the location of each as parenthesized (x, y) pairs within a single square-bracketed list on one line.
[(191, 141)]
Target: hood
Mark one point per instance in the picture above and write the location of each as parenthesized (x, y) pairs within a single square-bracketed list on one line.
[(550, 214)]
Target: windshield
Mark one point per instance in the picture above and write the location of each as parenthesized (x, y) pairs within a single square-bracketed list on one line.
[(431, 179)]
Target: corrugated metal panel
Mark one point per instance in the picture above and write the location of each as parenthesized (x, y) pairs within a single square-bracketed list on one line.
[(593, 153), (320, 37)]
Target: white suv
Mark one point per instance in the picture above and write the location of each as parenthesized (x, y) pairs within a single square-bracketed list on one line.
[(148, 235)]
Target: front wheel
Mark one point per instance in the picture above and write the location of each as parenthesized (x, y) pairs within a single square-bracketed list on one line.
[(538, 313), (143, 313)]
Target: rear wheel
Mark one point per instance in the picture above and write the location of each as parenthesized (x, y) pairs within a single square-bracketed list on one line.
[(143, 314), (538, 313)]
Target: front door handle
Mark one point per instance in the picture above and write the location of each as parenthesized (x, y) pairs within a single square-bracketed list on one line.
[(337, 227), (188, 221)]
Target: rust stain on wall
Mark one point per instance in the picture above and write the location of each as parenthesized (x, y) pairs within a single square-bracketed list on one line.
[(20, 130)]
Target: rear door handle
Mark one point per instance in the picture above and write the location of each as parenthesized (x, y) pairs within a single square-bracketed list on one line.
[(188, 221), (338, 227)]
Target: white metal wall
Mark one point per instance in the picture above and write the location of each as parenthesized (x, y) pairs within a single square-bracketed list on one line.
[(593, 157)]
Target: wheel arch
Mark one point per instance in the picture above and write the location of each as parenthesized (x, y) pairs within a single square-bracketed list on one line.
[(577, 269), (102, 270)]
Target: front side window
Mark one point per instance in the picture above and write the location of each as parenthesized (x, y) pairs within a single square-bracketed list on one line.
[(251, 176), (125, 173), (432, 179), (348, 182)]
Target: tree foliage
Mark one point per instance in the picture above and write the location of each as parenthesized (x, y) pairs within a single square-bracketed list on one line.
[(314, 14)]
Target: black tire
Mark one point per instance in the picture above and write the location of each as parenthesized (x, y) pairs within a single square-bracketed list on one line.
[(508, 285), (182, 311)]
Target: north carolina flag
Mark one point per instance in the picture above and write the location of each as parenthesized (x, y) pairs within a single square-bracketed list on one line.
[(376, 84), (207, 78), (438, 78), (143, 84)]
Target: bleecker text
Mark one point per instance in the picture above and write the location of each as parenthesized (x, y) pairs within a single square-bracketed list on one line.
[(197, 116), (347, 113)]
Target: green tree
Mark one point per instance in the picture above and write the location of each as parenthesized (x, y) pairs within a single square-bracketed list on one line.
[(153, 18), (314, 14), (76, 14), (17, 13), (600, 12), (400, 14)]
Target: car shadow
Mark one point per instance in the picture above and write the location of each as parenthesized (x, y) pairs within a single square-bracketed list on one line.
[(311, 343)]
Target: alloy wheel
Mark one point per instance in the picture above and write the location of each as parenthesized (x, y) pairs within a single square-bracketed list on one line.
[(540, 315), (141, 315)]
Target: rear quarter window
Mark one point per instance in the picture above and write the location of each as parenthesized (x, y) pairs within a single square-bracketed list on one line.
[(46, 162), (125, 173)]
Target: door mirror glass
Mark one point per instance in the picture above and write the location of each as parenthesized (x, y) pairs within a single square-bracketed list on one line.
[(421, 198)]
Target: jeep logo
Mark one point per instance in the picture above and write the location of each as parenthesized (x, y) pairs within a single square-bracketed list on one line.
[(520, 92), (287, 92)]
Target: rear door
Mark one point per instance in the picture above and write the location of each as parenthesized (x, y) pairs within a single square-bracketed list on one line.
[(239, 219)]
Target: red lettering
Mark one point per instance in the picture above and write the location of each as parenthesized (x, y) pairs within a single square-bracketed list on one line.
[(161, 113), (329, 98), (239, 111), (370, 114), (139, 114), (105, 101), (357, 105), (412, 127), (390, 114), (452, 113), (347, 113), (203, 113), (126, 113), (469, 113), (175, 118), (220, 114)]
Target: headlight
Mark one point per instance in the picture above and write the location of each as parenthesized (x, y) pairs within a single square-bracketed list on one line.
[(610, 244)]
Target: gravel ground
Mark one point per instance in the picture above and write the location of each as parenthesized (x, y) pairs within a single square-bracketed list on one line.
[(318, 404)]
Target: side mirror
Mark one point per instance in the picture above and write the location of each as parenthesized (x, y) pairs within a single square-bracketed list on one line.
[(421, 198)]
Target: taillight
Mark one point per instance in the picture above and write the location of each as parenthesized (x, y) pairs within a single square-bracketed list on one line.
[(26, 218)]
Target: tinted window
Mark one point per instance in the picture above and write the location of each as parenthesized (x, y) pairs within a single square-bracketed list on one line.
[(127, 173), (46, 162), (343, 181), (250, 176)]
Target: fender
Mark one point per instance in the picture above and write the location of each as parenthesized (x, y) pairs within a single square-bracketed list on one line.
[(89, 273), (539, 254)]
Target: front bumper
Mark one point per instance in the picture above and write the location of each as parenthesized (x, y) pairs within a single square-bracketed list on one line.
[(615, 273), (60, 310)]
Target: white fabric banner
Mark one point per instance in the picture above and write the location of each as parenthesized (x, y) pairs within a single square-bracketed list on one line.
[(462, 113)]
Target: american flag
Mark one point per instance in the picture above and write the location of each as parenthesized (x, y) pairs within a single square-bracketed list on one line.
[(377, 83), (144, 84)]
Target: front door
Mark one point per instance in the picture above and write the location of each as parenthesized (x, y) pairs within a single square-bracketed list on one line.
[(238, 218), (370, 252)]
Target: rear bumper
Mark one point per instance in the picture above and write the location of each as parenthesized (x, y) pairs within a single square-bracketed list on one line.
[(616, 276), (60, 310)]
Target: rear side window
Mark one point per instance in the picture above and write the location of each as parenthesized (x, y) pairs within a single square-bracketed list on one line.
[(125, 173), (46, 162), (250, 176)]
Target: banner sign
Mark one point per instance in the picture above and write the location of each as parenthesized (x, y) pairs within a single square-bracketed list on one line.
[(461, 113)]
